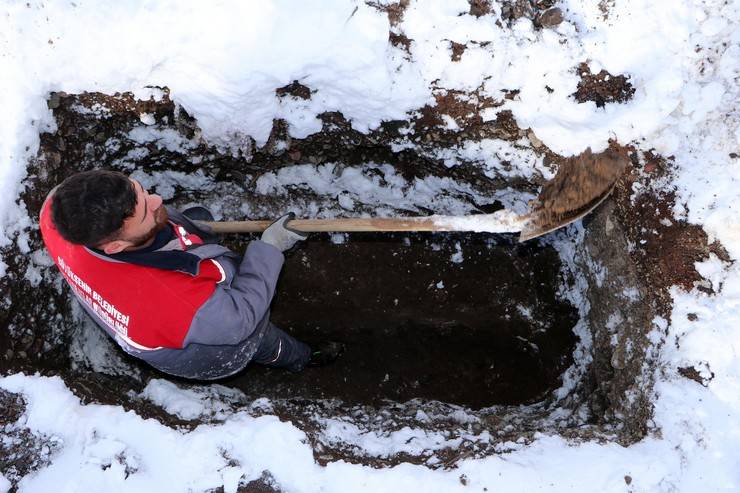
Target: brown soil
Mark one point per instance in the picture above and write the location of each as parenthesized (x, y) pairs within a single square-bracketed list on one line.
[(479, 8), (534, 10), (693, 374), (395, 10), (602, 88), (581, 182), (457, 51), (294, 89), (419, 326), (666, 249), (463, 108)]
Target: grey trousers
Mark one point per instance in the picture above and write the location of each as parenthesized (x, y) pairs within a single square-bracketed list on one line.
[(280, 350)]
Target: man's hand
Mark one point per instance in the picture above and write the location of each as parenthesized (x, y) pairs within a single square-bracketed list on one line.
[(279, 235)]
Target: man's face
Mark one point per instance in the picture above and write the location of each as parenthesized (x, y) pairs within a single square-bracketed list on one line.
[(139, 230)]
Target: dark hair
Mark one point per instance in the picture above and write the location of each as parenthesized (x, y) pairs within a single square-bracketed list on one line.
[(89, 208)]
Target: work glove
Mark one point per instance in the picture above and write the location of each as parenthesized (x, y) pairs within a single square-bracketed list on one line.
[(282, 237)]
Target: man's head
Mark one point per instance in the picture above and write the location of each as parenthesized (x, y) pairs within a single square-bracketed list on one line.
[(107, 210)]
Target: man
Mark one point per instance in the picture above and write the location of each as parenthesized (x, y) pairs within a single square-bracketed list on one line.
[(161, 286)]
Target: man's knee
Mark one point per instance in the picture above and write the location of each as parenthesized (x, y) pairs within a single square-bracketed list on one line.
[(280, 350)]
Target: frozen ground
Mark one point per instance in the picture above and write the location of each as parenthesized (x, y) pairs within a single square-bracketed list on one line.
[(223, 62)]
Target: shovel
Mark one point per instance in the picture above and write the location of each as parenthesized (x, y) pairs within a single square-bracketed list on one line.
[(581, 184)]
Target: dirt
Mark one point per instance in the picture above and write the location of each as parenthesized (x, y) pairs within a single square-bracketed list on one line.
[(21, 451), (540, 12), (602, 88), (581, 182), (417, 325), (464, 108), (457, 51), (395, 10), (665, 249), (694, 374), (549, 18), (294, 89), (479, 8)]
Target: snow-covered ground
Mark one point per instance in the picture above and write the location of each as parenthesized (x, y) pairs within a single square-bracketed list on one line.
[(223, 61)]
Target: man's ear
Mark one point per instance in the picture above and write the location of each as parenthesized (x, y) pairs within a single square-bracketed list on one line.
[(115, 246)]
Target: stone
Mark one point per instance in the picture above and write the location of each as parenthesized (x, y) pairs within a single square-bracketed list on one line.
[(54, 101), (536, 143), (550, 17)]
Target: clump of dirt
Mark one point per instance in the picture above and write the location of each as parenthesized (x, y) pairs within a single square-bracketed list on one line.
[(479, 8), (666, 249), (602, 88), (21, 452), (549, 18), (400, 40), (457, 51), (395, 13), (464, 109), (294, 89), (395, 10), (581, 182), (696, 375), (540, 12), (264, 484)]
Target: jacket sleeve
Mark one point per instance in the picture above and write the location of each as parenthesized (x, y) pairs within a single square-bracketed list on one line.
[(236, 308)]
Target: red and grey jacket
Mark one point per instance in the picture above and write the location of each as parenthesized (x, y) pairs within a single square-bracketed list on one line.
[(195, 313)]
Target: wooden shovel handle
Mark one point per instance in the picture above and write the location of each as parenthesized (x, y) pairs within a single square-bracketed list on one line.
[(346, 225)]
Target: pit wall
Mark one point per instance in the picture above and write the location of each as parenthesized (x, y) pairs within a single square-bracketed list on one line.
[(616, 388)]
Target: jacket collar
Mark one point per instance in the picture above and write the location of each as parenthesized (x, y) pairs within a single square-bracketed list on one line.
[(175, 260)]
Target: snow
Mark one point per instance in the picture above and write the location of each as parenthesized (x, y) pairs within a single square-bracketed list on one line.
[(383, 188), (223, 62), (188, 404), (166, 138)]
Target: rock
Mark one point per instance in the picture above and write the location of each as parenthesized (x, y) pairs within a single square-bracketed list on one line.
[(536, 143), (480, 8), (550, 17), (54, 100), (517, 10)]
